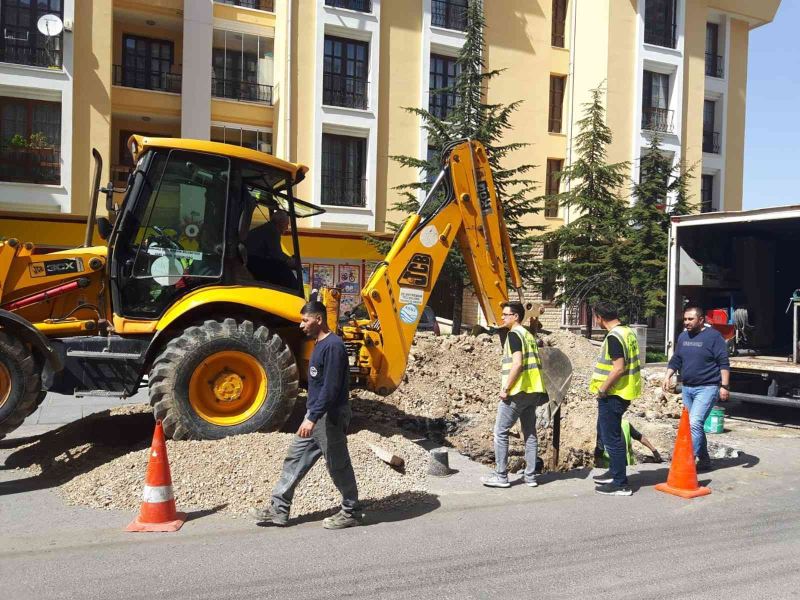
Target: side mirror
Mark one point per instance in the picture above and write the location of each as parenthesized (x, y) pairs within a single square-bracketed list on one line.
[(103, 228)]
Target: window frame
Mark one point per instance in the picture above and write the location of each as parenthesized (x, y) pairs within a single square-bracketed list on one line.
[(330, 171), (558, 28), (555, 118)]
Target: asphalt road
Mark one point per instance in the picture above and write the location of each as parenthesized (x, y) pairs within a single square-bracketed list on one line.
[(557, 541)]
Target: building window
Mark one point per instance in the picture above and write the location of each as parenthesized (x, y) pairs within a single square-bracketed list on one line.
[(30, 141), (554, 167), (707, 193), (557, 85), (247, 138), (549, 253), (147, 64), (343, 170), (714, 64), (559, 23), (364, 6), (711, 142), (21, 43), (655, 100), (450, 14), (268, 5), (444, 71), (344, 73), (659, 23), (242, 67)]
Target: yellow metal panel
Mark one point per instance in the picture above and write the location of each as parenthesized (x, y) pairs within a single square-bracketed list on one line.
[(125, 326), (324, 244), (269, 301), (243, 113)]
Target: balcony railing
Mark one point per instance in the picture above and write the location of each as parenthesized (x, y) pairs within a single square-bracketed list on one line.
[(714, 65), (30, 165), (657, 119), (449, 14), (236, 89), (267, 5), (660, 35), (711, 142), (706, 206), (33, 57), (342, 90), (364, 6), (339, 190), (147, 80)]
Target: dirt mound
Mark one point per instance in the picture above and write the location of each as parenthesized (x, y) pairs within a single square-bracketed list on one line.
[(450, 392)]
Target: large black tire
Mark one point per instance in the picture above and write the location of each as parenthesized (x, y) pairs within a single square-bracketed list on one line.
[(172, 373), (20, 385)]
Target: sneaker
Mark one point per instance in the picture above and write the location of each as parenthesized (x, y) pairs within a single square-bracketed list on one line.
[(606, 477), (531, 483), (610, 489), (269, 515), (340, 520), (495, 480)]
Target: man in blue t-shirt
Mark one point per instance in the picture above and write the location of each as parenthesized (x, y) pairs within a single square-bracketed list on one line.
[(701, 357), (323, 431)]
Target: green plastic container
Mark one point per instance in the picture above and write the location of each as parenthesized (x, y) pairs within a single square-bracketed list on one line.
[(715, 422)]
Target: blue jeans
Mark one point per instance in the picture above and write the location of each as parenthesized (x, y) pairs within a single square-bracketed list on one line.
[(609, 421), (523, 407), (699, 401)]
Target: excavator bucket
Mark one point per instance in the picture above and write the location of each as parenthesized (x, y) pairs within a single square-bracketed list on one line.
[(557, 375)]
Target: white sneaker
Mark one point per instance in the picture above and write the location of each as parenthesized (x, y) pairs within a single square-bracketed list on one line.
[(495, 480)]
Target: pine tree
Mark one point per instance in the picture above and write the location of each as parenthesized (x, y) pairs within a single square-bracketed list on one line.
[(472, 117), (590, 264), (649, 217)]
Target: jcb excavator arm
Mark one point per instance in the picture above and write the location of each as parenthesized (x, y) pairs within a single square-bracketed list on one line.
[(399, 288)]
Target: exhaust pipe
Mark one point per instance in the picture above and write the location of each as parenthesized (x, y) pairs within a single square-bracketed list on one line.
[(90, 219)]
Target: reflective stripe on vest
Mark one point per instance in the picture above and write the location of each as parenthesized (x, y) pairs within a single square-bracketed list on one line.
[(530, 378), (629, 385)]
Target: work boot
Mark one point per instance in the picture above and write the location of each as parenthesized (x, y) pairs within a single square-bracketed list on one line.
[(340, 520), (606, 477), (611, 489), (268, 514), (704, 466), (657, 457), (495, 480)]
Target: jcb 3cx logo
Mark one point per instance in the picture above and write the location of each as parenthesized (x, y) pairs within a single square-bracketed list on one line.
[(417, 272)]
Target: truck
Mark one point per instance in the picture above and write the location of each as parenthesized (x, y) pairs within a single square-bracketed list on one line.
[(169, 302), (742, 268)]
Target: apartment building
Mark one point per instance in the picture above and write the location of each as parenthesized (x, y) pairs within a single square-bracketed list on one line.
[(327, 83)]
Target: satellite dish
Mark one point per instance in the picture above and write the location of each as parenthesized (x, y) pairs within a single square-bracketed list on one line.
[(50, 25)]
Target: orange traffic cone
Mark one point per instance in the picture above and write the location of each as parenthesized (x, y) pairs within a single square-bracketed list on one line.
[(682, 478), (158, 502)]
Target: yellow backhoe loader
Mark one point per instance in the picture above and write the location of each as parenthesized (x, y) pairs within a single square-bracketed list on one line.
[(169, 300)]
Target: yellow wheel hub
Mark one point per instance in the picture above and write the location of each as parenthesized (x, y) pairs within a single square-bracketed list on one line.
[(5, 384), (227, 388)]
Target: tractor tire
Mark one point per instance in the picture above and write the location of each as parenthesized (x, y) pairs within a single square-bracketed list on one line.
[(20, 384), (223, 378)]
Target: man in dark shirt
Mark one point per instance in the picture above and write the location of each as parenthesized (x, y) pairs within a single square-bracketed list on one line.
[(701, 356), (323, 432), (266, 259)]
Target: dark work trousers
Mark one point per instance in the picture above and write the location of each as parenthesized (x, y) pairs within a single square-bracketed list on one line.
[(609, 424), (329, 439)]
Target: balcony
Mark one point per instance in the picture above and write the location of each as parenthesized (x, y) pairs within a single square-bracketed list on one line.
[(32, 57), (714, 65), (267, 5), (449, 14), (364, 6), (243, 91), (30, 165), (342, 90), (340, 190), (657, 119), (660, 35), (147, 80), (711, 143)]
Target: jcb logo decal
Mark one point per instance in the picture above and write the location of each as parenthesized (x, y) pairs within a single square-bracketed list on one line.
[(417, 272), (37, 270)]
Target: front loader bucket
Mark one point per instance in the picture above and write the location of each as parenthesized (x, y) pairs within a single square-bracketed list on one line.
[(557, 375)]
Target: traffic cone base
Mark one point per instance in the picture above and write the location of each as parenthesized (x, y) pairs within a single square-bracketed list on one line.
[(682, 478), (158, 512), (667, 488)]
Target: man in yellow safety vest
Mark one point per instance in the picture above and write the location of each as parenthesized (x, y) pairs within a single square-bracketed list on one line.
[(616, 381), (521, 391)]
